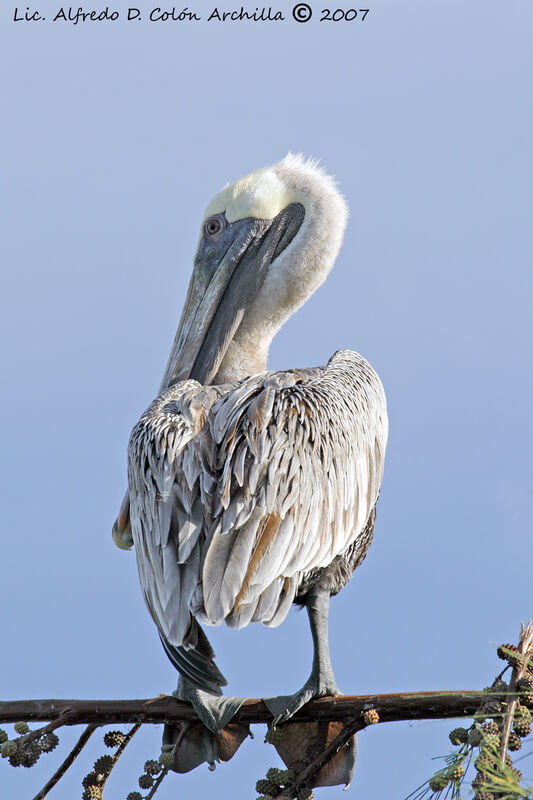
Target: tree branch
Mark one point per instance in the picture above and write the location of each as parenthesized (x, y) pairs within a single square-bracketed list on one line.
[(519, 670), (166, 709), (72, 756), (127, 739), (62, 719)]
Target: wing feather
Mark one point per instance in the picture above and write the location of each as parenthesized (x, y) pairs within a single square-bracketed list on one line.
[(167, 513), (304, 449), (237, 493)]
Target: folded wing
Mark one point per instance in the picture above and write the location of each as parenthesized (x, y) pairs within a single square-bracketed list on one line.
[(239, 492), (299, 461)]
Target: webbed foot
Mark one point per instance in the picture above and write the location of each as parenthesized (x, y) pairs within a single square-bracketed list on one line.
[(215, 711), (213, 738), (318, 685)]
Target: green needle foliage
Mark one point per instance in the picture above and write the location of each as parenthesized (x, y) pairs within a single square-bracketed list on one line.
[(486, 742)]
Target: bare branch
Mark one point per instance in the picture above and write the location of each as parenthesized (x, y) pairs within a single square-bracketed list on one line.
[(125, 742), (63, 719), (165, 709), (72, 756)]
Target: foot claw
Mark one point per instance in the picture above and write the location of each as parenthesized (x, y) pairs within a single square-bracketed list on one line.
[(295, 704), (285, 706)]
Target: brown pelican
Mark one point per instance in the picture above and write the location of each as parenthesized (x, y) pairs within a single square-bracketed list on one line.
[(251, 490)]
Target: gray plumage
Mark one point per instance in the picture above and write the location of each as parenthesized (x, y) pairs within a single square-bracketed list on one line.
[(244, 496)]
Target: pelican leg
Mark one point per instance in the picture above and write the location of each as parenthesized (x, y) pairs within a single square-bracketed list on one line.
[(321, 682)]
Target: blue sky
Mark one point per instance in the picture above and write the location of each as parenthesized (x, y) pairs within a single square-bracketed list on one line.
[(116, 136)]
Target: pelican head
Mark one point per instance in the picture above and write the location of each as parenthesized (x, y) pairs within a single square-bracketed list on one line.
[(266, 243)]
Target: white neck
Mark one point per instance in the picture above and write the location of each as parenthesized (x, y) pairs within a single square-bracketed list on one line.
[(241, 360), (296, 273)]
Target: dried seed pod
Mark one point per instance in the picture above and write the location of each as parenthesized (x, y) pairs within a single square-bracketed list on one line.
[(268, 786), (166, 759), (490, 727), (263, 786), (146, 781), (48, 742), (113, 738), (16, 759), (438, 782), (30, 754), (456, 772), (91, 779), (523, 713), (491, 708), (92, 793), (484, 760), (526, 698), (515, 742), (104, 764), (522, 728), (152, 767), (492, 741), (481, 780), (458, 736), (21, 727), (371, 717), (509, 653), (276, 775), (8, 749)]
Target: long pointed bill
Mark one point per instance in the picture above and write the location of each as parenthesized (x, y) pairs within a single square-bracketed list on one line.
[(218, 297)]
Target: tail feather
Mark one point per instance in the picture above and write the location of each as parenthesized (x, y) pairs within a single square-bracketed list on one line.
[(194, 660)]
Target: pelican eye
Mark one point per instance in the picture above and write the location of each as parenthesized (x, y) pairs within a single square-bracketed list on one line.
[(213, 225)]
